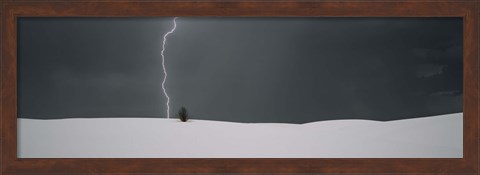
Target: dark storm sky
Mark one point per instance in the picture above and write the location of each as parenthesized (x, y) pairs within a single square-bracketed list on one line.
[(292, 70)]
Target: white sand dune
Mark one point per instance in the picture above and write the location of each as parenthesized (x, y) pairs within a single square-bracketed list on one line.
[(428, 137)]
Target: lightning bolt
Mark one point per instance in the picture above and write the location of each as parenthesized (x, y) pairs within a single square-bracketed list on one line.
[(163, 64)]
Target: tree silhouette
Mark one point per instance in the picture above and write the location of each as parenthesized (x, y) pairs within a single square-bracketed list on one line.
[(183, 114)]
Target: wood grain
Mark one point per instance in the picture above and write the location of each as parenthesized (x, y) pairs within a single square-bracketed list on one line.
[(2, 28), (10, 164)]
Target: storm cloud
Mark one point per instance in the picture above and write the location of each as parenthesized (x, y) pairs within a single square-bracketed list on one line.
[(291, 70)]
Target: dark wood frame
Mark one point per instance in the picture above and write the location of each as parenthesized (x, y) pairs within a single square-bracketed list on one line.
[(11, 10)]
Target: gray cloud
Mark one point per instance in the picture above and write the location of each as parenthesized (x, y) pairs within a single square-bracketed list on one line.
[(242, 69)]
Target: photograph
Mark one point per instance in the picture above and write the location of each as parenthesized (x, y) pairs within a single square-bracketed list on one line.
[(240, 87)]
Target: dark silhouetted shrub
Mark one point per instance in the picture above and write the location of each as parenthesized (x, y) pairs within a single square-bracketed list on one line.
[(183, 114)]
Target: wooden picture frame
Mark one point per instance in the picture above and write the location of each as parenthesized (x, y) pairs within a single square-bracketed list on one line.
[(11, 10)]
